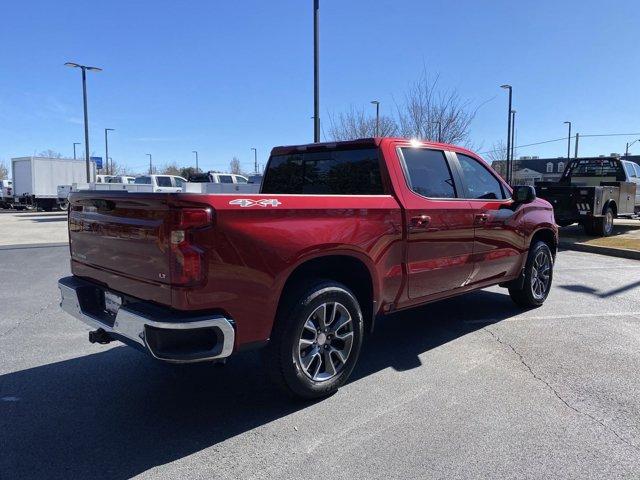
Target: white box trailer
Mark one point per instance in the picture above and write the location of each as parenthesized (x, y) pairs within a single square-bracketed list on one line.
[(36, 179)]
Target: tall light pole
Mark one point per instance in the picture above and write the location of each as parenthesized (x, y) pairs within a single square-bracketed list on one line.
[(568, 140), (316, 71), (510, 88), (195, 151), (106, 149), (74, 149), (513, 137), (84, 69), (626, 152), (255, 159), (377, 104), (150, 164)]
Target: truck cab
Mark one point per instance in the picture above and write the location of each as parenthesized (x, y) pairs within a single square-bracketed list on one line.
[(162, 183)]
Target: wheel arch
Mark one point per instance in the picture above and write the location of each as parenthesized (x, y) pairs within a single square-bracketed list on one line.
[(548, 236), (614, 206), (349, 269)]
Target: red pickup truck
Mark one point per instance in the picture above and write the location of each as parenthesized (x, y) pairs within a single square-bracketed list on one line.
[(341, 234)]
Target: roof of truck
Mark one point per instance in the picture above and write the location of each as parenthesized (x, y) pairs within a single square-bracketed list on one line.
[(366, 142)]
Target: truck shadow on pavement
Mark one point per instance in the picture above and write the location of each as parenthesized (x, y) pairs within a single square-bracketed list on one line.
[(118, 413)]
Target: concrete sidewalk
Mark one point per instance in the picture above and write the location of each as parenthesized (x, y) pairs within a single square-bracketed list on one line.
[(624, 243), (32, 228)]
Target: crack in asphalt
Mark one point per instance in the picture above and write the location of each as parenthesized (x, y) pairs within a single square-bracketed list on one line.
[(497, 338), (20, 322)]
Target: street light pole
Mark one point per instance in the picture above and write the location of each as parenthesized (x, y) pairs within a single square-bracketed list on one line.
[(568, 141), (626, 152), (194, 151), (377, 104), (106, 149), (255, 159), (150, 164), (84, 69), (513, 138), (316, 71), (508, 132), (74, 149)]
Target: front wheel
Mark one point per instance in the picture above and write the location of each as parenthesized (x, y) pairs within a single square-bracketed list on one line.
[(316, 340), (537, 277)]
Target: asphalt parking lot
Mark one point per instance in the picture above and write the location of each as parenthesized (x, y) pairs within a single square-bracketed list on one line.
[(466, 388)]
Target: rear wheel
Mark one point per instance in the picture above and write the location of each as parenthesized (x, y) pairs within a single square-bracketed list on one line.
[(537, 278), (316, 341), (604, 225)]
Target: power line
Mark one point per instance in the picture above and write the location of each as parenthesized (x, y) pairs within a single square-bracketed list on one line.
[(565, 138)]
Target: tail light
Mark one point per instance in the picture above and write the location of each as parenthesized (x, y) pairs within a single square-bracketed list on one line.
[(187, 259)]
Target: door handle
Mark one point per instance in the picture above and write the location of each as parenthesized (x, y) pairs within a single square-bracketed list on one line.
[(420, 221), (481, 218)]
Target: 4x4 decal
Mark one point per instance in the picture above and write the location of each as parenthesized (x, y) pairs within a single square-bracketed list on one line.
[(265, 202)]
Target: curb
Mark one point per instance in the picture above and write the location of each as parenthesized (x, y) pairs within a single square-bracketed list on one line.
[(609, 251), (24, 246)]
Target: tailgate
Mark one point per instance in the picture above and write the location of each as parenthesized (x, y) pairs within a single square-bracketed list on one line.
[(568, 201), (122, 241)]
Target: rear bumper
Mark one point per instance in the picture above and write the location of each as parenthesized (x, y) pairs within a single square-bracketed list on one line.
[(163, 333)]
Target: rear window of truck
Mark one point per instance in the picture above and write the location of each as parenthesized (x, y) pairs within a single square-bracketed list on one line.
[(334, 172)]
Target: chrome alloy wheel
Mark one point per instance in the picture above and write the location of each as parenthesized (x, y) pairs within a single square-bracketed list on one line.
[(541, 275), (608, 222), (325, 342)]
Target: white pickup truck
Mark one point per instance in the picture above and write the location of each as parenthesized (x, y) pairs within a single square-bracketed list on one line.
[(6, 194), (162, 183)]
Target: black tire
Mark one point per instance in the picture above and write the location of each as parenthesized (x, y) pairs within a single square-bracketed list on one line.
[(530, 296), (604, 225), (283, 356)]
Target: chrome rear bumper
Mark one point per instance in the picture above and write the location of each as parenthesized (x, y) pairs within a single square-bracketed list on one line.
[(176, 340)]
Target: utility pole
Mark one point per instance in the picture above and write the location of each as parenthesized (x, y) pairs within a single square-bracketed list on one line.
[(74, 149), (255, 160), (106, 149), (194, 151), (316, 71), (576, 151), (150, 164), (377, 104), (84, 69), (510, 88), (626, 151)]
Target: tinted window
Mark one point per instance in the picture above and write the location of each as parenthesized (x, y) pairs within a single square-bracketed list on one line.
[(428, 173), (164, 181), (225, 178), (143, 180), (479, 181), (331, 172)]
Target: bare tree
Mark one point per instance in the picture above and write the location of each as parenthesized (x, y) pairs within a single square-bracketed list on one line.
[(234, 166), (357, 124), (50, 154), (429, 112), (170, 169), (497, 157), (4, 170)]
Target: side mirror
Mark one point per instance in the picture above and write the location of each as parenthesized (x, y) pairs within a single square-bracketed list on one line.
[(523, 194)]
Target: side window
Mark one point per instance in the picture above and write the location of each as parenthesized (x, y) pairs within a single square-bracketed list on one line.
[(225, 178), (628, 166), (179, 182), (428, 173), (240, 179), (635, 165), (479, 180), (164, 181)]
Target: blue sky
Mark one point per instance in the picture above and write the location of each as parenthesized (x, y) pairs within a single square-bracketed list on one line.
[(222, 77)]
